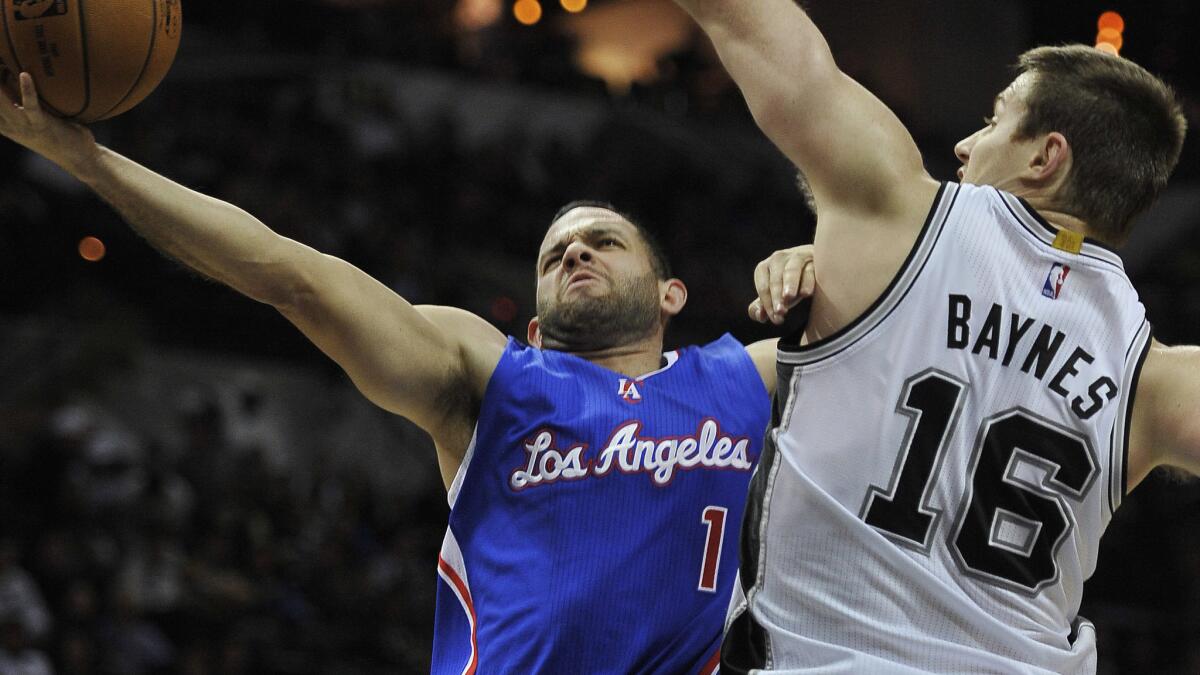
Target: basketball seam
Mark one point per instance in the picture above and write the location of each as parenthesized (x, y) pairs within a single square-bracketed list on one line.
[(87, 72), (12, 46), (145, 64)]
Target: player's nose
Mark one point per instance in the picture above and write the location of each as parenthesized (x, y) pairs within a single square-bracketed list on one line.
[(576, 253), (962, 149)]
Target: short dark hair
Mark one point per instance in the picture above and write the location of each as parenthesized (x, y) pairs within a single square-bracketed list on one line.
[(1124, 125), (658, 255)]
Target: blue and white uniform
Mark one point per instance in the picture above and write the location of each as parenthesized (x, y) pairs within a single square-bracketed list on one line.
[(594, 519), (932, 495)]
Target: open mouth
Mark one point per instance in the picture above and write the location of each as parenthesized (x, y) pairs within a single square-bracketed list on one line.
[(962, 171)]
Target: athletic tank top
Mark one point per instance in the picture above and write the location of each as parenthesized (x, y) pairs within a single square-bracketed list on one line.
[(939, 473), (593, 522)]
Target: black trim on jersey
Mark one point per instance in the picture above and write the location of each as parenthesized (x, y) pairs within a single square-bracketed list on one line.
[(893, 285), (798, 348), (744, 646), (1116, 473), (1137, 374), (1053, 232), (756, 497), (794, 325)]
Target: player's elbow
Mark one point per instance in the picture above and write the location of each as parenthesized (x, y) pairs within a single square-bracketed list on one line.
[(287, 277), (788, 108), (1187, 445)]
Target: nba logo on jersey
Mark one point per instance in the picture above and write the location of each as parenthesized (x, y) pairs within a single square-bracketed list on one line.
[(628, 390), (1055, 280)]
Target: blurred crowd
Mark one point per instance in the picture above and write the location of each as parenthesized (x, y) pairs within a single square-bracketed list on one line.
[(124, 554)]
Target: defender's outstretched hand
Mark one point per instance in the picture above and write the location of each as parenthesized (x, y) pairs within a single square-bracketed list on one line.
[(782, 281), (64, 143)]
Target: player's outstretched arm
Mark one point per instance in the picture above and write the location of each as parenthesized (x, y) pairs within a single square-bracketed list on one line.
[(1166, 414), (428, 364), (857, 156)]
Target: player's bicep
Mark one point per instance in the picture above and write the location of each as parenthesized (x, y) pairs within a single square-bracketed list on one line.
[(854, 152), (763, 354), (394, 354)]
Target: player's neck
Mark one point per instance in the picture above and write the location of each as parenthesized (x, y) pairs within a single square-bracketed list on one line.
[(632, 360), (1057, 218)]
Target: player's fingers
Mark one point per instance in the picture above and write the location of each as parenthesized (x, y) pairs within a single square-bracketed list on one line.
[(777, 308), (792, 274), (808, 280), (755, 310), (29, 97), (762, 286)]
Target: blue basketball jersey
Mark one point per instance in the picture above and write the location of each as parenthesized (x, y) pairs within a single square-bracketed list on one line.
[(594, 521)]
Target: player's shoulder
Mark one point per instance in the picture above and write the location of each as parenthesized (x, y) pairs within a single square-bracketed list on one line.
[(736, 364), (725, 347), (478, 343)]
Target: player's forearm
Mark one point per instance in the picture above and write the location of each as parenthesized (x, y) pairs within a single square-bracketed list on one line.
[(212, 237)]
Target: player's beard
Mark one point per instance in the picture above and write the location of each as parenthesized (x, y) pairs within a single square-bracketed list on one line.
[(628, 312)]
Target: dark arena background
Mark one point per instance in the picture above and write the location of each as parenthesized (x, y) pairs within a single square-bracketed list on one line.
[(186, 485)]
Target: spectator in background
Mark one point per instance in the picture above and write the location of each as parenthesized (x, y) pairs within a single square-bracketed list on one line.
[(20, 599), (17, 655)]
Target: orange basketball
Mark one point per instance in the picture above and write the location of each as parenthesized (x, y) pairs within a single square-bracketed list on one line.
[(91, 59)]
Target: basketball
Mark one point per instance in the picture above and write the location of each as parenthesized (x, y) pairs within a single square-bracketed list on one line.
[(91, 60)]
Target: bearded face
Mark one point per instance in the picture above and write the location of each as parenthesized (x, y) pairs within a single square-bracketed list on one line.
[(601, 313), (597, 288)]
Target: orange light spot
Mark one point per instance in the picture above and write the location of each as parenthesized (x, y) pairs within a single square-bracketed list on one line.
[(573, 6), (1108, 48), (1111, 20), (528, 12), (91, 249), (477, 14), (1110, 36)]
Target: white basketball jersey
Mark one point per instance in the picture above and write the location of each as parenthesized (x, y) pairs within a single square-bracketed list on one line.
[(940, 471)]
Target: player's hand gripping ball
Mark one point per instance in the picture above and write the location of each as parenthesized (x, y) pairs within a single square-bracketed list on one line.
[(91, 59)]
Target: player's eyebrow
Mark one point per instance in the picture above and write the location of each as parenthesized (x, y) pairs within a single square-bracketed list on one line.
[(590, 233)]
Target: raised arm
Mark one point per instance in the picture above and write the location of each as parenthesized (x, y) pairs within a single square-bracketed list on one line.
[(429, 364), (1165, 430), (856, 154)]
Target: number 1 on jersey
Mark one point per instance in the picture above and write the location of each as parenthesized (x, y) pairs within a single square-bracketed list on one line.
[(931, 401), (714, 519)]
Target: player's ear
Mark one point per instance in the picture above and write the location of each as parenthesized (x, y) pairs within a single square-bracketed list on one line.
[(1052, 161), (674, 296), (534, 334)]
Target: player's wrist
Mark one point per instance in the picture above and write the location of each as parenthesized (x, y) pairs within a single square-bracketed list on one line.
[(85, 162)]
